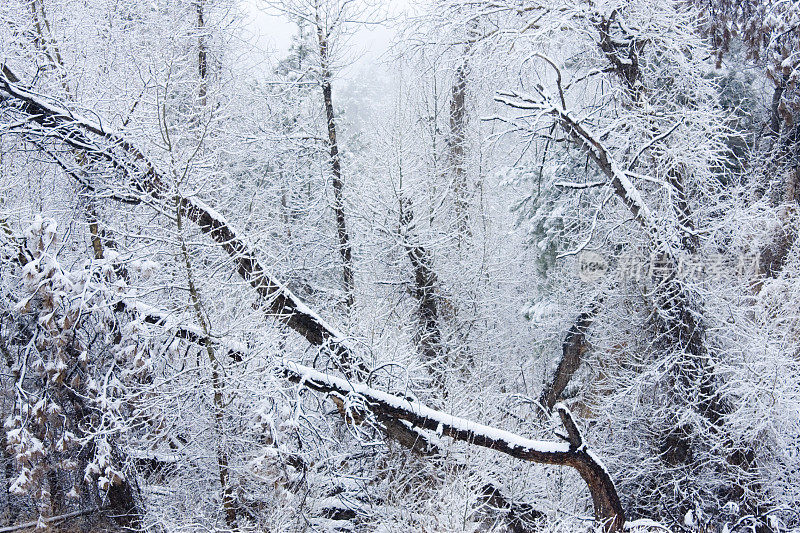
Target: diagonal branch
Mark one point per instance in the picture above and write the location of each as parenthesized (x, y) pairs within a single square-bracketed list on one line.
[(589, 141), (607, 507), (146, 180)]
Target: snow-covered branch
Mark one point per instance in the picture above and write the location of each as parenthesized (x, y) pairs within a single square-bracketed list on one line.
[(105, 146), (388, 407), (282, 303), (590, 142)]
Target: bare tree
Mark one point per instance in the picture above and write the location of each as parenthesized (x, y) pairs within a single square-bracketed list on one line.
[(331, 21)]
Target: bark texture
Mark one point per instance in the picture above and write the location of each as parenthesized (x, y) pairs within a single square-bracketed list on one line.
[(572, 350), (337, 179)]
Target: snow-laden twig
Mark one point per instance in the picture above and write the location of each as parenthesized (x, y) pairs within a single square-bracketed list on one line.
[(623, 187)]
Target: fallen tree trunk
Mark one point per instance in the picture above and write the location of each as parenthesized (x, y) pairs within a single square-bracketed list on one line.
[(574, 453), (48, 521)]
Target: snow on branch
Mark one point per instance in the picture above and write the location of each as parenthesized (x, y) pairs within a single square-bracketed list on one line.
[(102, 145), (388, 407), (147, 313), (188, 332), (106, 147), (590, 142), (424, 417)]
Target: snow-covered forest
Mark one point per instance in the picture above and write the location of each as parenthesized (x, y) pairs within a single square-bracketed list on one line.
[(534, 267)]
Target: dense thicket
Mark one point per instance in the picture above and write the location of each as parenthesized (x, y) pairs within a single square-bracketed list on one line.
[(534, 269)]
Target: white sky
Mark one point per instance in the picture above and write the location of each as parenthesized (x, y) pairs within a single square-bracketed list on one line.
[(365, 74), (272, 34)]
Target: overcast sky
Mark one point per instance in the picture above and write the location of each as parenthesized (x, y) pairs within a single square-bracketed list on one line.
[(273, 33), (366, 73)]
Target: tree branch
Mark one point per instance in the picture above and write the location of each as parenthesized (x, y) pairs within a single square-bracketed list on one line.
[(572, 350), (608, 509), (145, 178), (125, 158)]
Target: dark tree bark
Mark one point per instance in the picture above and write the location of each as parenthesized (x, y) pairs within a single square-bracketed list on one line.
[(689, 239), (622, 51), (202, 54), (345, 248), (782, 181), (124, 504), (774, 114), (8, 476), (429, 335), (518, 515), (572, 350), (5, 457), (457, 144)]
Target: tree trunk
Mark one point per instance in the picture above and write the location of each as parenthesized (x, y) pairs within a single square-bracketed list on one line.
[(343, 236), (608, 510), (217, 386), (429, 335), (572, 350), (202, 54), (8, 475), (457, 144)]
